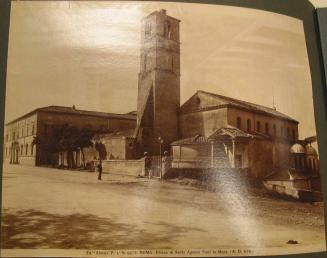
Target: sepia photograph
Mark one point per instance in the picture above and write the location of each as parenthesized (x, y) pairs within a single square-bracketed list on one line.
[(158, 129)]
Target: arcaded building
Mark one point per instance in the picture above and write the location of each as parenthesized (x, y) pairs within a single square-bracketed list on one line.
[(20, 133)]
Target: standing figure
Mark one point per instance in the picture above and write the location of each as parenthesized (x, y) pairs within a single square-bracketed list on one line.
[(147, 164), (100, 170), (165, 163)]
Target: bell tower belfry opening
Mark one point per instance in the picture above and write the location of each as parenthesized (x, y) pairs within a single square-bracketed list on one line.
[(159, 81)]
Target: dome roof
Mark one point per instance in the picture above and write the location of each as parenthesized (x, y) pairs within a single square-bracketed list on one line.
[(297, 148), (310, 150)]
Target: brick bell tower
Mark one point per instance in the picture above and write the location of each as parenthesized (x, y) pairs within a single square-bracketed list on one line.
[(159, 82)]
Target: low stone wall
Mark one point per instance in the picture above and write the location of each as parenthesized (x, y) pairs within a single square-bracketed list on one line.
[(124, 167), (285, 188)]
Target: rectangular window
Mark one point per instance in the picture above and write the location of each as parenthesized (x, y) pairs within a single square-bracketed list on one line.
[(33, 129), (32, 149), (238, 123), (249, 125)]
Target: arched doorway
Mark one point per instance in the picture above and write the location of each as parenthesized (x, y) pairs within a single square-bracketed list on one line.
[(14, 153)]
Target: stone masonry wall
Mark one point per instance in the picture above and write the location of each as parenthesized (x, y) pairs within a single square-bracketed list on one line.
[(124, 167)]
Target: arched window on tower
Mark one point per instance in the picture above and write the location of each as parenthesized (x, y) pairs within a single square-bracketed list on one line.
[(167, 30), (248, 122), (147, 31), (293, 134), (239, 123)]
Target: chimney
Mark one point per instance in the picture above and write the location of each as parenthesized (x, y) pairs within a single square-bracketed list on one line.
[(163, 11)]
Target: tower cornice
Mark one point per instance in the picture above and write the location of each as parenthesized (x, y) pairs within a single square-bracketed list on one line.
[(162, 13)]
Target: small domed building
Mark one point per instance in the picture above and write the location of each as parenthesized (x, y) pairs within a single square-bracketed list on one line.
[(302, 179)]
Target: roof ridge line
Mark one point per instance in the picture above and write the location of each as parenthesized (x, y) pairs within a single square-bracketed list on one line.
[(237, 100), (253, 106)]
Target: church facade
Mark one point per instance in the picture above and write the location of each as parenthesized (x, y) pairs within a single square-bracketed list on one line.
[(209, 132), (221, 132)]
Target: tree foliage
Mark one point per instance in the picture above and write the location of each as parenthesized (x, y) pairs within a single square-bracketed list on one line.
[(65, 138), (101, 148)]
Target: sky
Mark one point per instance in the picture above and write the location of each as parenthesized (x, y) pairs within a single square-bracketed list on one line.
[(87, 54), (319, 3)]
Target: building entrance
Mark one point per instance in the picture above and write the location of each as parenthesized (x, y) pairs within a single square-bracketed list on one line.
[(14, 153)]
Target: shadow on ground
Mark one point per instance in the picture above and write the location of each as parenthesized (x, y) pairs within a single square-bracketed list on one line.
[(35, 229)]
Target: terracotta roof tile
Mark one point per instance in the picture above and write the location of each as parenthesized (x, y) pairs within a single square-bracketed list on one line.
[(250, 106), (197, 139), (71, 110), (229, 131)]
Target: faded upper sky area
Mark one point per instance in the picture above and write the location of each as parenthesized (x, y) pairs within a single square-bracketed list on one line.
[(319, 3), (87, 54)]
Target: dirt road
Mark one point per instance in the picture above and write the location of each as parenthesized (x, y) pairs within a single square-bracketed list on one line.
[(50, 208)]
